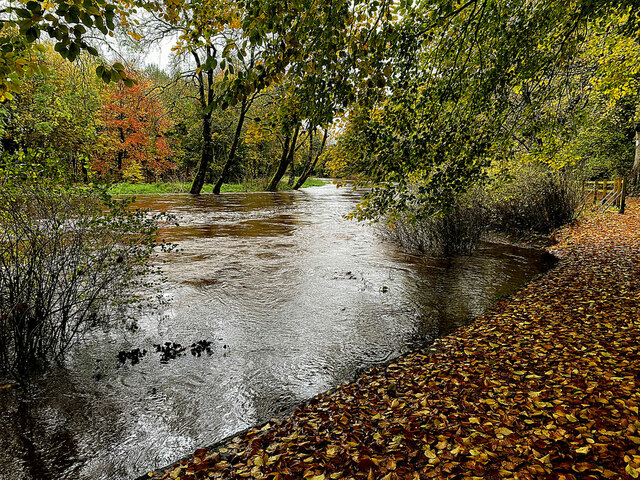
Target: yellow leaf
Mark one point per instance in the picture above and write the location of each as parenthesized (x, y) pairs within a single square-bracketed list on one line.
[(429, 453), (582, 450)]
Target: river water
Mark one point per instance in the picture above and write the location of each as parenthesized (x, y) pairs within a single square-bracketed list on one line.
[(294, 299)]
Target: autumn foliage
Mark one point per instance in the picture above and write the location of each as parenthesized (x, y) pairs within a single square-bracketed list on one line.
[(132, 138), (544, 385)]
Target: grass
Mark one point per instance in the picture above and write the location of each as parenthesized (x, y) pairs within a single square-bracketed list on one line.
[(183, 187)]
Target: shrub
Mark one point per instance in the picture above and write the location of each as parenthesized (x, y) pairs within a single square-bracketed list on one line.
[(537, 199), (453, 232), (70, 260), (534, 199)]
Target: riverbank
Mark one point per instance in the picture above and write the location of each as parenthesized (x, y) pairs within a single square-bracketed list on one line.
[(183, 187), (543, 385)]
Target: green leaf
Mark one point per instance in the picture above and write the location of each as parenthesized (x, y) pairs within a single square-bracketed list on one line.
[(32, 34), (22, 12), (106, 76), (74, 50)]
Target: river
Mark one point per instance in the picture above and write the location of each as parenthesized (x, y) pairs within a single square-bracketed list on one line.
[(294, 298)]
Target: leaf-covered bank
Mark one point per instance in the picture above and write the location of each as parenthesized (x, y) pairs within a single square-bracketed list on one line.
[(544, 385)]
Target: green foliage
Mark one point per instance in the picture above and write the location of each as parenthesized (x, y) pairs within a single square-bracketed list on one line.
[(54, 114), (472, 85), (427, 96), (67, 23), (604, 143), (528, 198)]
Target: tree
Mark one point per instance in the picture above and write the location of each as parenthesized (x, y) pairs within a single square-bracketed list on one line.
[(54, 113), (460, 79), (329, 52), (617, 82), (314, 155), (133, 134), (206, 33)]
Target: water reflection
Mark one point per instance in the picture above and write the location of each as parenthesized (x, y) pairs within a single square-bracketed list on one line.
[(295, 299)]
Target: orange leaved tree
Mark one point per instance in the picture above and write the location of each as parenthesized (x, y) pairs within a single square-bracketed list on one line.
[(132, 142)]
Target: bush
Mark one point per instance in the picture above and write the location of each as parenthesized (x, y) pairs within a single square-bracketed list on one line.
[(533, 199), (537, 199), (454, 232), (70, 260)]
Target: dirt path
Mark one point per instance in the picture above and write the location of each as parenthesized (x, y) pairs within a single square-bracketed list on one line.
[(544, 385)]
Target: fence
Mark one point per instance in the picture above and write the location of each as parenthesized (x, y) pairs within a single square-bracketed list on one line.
[(612, 194)]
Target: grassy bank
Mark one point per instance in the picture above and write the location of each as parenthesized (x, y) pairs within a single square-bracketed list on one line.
[(143, 188), (543, 385)]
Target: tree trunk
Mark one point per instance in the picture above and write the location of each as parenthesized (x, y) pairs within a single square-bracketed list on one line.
[(206, 100), (85, 173), (309, 159), (287, 152), (311, 165), (635, 170), (121, 152), (292, 172), (234, 147), (207, 153)]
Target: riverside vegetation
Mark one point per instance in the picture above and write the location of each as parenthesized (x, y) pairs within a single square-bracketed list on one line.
[(70, 260)]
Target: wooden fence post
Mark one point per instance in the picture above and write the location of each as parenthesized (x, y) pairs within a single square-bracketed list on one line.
[(623, 195)]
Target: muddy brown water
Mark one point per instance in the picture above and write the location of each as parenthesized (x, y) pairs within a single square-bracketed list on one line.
[(294, 298)]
